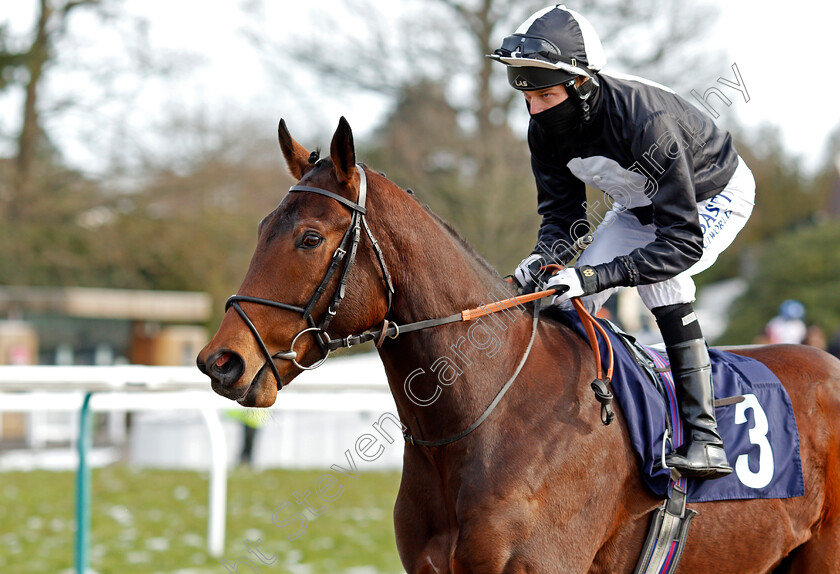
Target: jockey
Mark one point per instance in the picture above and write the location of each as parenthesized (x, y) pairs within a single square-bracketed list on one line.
[(677, 190)]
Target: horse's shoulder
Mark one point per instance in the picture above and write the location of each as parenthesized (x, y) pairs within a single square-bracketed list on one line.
[(557, 334)]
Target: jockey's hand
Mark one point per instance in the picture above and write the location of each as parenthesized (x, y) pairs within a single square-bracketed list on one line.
[(573, 282), (529, 271)]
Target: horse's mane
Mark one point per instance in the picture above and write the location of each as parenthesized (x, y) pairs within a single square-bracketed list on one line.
[(447, 227), (459, 238)]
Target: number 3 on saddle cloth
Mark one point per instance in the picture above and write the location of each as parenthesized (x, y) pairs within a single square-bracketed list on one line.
[(759, 433)]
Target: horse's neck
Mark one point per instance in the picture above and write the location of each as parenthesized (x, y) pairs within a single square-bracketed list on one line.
[(444, 377)]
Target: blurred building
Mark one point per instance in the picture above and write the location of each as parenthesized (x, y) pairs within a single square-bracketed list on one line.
[(84, 326)]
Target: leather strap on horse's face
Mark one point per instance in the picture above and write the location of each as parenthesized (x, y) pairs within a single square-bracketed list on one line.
[(346, 252)]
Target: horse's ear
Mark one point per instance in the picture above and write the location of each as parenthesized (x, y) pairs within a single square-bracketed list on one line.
[(297, 158), (343, 151)]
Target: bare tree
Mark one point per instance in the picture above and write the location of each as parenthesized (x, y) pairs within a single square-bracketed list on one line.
[(358, 45), (50, 25), (441, 45), (28, 61), (60, 225)]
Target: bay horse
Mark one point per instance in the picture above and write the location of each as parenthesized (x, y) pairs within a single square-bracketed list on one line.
[(541, 485)]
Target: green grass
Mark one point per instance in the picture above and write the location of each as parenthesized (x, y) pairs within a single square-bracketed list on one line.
[(152, 521)]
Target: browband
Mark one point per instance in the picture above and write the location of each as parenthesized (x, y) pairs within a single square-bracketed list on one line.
[(344, 201)]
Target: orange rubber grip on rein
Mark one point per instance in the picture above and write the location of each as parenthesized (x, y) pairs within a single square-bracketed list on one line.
[(590, 324), (496, 306), (590, 333)]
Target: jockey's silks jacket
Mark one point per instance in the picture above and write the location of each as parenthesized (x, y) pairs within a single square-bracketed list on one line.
[(651, 152)]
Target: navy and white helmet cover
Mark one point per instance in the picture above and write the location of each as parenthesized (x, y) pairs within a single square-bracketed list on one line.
[(551, 47)]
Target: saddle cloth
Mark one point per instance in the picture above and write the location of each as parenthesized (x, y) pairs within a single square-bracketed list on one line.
[(759, 433)]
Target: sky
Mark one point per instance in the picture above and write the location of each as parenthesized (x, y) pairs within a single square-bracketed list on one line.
[(784, 54)]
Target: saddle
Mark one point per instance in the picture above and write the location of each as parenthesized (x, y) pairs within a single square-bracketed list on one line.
[(755, 420)]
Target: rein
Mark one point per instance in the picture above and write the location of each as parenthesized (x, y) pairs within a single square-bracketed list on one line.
[(346, 252), (442, 442), (391, 330), (600, 384)]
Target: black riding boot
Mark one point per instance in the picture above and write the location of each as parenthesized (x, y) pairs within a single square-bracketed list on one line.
[(702, 454)]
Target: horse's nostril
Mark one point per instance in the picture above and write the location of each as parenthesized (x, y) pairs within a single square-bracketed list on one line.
[(226, 367), (222, 361)]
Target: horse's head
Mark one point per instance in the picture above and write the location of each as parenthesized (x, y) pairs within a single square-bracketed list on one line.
[(306, 252)]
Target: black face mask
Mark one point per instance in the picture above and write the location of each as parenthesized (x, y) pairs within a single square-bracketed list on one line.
[(562, 118)]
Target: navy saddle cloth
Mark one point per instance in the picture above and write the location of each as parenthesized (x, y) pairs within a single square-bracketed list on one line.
[(759, 433)]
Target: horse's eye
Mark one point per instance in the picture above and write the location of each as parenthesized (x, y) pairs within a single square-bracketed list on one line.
[(311, 240)]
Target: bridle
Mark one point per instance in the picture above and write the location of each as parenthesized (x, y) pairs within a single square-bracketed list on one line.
[(346, 251)]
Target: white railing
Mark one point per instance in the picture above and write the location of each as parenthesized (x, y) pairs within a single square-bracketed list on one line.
[(341, 385)]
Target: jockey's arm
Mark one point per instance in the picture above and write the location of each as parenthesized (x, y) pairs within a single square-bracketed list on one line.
[(679, 239)]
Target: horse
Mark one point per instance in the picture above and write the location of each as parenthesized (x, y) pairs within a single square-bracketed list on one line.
[(540, 485)]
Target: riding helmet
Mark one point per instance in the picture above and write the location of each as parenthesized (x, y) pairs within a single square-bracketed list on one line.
[(552, 47)]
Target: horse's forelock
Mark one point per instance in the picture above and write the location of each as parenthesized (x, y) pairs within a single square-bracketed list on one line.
[(315, 156)]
